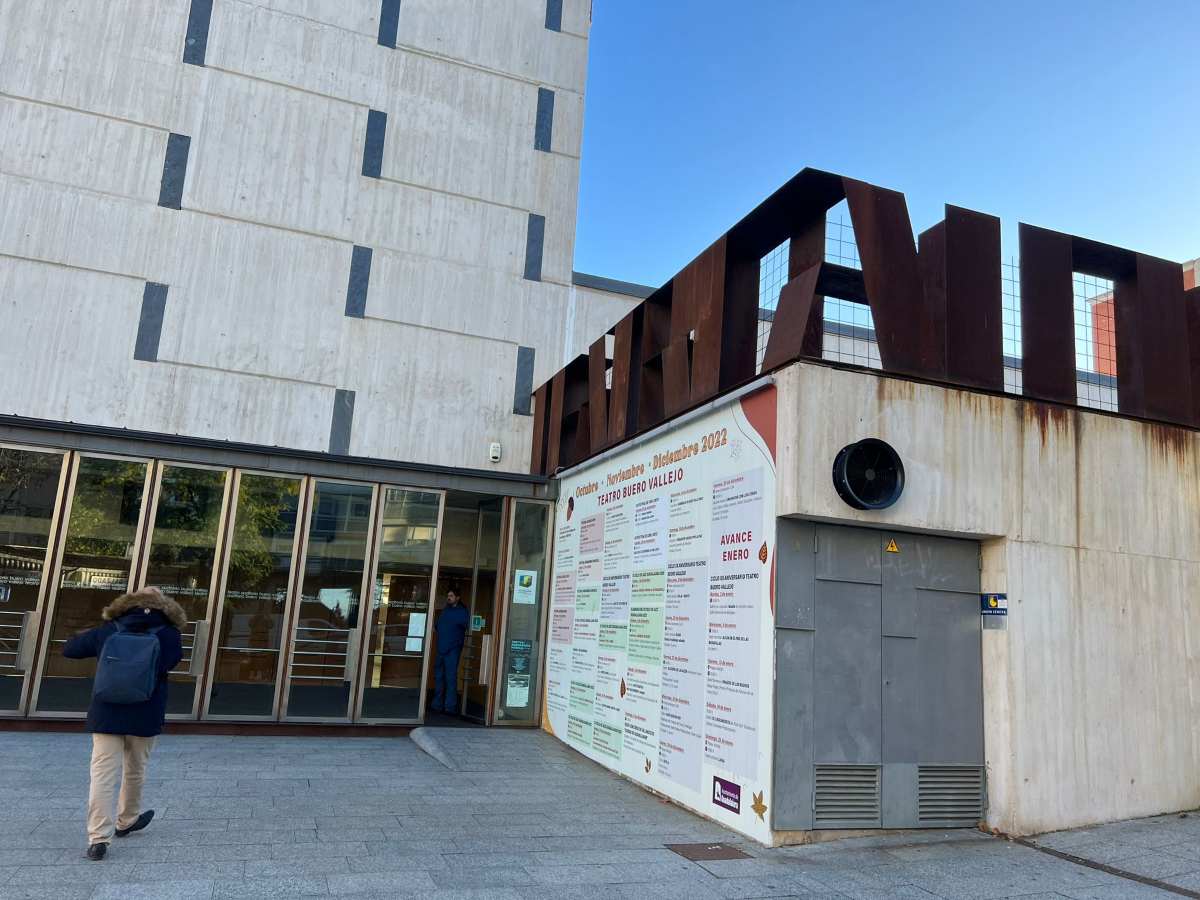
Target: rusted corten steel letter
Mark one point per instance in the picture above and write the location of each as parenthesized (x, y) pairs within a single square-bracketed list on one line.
[(1191, 302), (974, 305), (622, 399), (598, 394), (790, 328), (1047, 316), (909, 329), (714, 311), (555, 422), (1153, 349), (541, 417)]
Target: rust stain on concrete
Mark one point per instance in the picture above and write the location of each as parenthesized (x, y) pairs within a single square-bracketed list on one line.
[(1170, 441), (1047, 416)]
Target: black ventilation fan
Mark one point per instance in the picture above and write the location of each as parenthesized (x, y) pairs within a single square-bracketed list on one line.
[(868, 474)]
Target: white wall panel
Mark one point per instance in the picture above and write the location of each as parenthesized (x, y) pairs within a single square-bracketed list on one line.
[(88, 151)]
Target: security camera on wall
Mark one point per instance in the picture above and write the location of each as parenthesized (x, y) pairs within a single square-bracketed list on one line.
[(494, 452)]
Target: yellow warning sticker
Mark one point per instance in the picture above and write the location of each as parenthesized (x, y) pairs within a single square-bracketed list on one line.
[(891, 547)]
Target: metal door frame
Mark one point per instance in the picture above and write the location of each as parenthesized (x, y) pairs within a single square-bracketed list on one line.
[(535, 685), (298, 592), (377, 545), (218, 552), (37, 614), (479, 670), (60, 550)]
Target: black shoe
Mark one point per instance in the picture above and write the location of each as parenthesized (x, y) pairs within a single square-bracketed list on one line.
[(96, 852), (142, 821)]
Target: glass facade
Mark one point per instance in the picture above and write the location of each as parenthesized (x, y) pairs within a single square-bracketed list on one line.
[(104, 527), (307, 599), (29, 483)]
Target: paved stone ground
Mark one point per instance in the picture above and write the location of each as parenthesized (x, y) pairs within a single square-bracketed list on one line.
[(520, 816)]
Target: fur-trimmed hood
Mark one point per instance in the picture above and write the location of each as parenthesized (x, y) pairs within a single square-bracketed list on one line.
[(146, 598)]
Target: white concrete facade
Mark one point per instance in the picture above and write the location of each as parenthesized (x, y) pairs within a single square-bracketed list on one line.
[(1091, 524), (255, 341)]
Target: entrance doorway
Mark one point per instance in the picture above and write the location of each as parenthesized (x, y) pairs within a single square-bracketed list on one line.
[(472, 542)]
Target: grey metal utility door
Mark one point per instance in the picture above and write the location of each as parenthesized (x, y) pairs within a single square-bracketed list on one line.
[(879, 709)]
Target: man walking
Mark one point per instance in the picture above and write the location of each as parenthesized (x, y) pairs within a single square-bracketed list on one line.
[(451, 629), (137, 646)]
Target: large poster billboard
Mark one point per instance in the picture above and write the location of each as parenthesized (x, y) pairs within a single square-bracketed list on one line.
[(661, 642)]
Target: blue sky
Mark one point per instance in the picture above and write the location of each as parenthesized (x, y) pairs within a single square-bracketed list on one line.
[(1083, 117)]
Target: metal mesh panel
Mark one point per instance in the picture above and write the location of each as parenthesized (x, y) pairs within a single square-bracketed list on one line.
[(846, 796), (1095, 342), (1010, 310), (950, 796), (772, 276), (849, 328)]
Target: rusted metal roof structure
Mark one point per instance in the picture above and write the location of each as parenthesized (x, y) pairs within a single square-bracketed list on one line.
[(936, 306)]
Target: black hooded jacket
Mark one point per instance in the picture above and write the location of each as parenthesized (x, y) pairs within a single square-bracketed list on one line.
[(136, 614)]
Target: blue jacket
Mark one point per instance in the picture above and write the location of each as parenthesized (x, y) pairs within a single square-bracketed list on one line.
[(451, 627), (141, 719)]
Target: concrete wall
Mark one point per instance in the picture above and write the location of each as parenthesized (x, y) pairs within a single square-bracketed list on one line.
[(255, 340), (1091, 524)]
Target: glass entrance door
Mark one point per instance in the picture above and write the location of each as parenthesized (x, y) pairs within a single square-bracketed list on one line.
[(399, 623), (263, 543), (325, 635), (189, 512), (520, 650), (30, 483), (105, 522), (468, 564)]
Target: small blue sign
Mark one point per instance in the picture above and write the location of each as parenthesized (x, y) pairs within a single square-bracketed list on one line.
[(993, 604)]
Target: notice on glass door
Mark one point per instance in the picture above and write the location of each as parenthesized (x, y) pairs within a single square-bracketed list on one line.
[(661, 625)]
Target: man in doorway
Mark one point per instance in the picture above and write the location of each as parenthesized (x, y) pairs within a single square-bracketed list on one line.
[(451, 628)]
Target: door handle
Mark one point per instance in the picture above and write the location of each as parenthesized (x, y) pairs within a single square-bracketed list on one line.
[(351, 655), (199, 650), (25, 643), (485, 659)]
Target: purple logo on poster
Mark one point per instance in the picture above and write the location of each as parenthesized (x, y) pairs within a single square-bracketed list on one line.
[(727, 794)]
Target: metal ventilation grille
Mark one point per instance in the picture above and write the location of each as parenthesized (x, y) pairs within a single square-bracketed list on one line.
[(949, 795), (846, 796)]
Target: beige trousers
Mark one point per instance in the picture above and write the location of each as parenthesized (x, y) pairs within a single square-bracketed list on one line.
[(109, 753)]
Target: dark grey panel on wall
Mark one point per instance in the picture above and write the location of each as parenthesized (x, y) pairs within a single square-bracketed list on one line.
[(195, 42), (523, 398), (898, 807), (950, 686), (793, 784), (846, 674), (360, 282), (543, 131), (174, 173), (901, 699), (372, 165), (150, 322), (343, 420), (554, 15), (389, 22), (848, 554), (535, 238), (794, 584)]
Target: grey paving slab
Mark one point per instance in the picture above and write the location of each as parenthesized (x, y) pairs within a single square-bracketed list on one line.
[(280, 886), (521, 817), (158, 890), (382, 883)]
